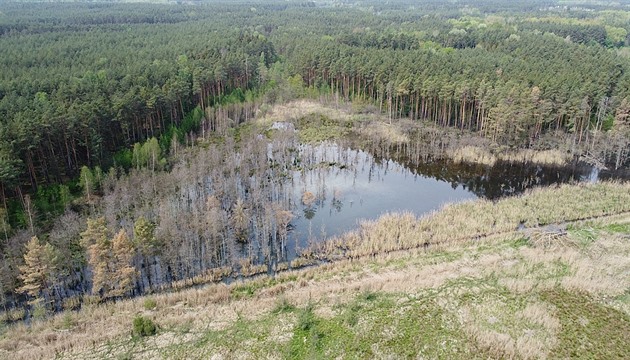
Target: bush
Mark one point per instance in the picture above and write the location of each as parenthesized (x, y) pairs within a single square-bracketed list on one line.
[(144, 326), (68, 321), (306, 319), (283, 306), (150, 304), (39, 311), (71, 303)]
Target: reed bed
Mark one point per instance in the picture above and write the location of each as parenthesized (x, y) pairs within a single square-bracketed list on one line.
[(480, 218), (478, 155)]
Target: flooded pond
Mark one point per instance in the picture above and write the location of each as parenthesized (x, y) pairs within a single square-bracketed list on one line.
[(341, 186), (351, 185)]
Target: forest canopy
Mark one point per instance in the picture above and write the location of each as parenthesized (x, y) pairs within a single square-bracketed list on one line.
[(98, 97)]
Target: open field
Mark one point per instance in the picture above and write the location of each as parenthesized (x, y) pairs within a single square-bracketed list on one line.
[(540, 292)]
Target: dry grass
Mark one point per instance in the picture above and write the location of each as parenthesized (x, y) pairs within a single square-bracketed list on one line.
[(473, 154), (295, 110), (545, 157), (605, 269), (386, 133), (486, 287), (393, 232), (477, 155)]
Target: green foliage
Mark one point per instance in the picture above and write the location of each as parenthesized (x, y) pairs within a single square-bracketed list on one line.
[(143, 326), (235, 97), (306, 318), (17, 215), (618, 228), (368, 296), (123, 158), (520, 242), (172, 134), (283, 306), (309, 332), (65, 114), (244, 291), (52, 200), (351, 314), (315, 128), (10, 165), (585, 235), (608, 123), (39, 311), (5, 225), (150, 304), (68, 321), (192, 121), (144, 237), (87, 181), (504, 70), (296, 86), (148, 155)]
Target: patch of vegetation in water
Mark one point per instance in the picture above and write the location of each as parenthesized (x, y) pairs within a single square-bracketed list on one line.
[(315, 128)]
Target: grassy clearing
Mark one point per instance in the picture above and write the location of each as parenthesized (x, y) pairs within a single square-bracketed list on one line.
[(503, 296), (588, 328)]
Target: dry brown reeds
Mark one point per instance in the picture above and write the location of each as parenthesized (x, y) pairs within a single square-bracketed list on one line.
[(481, 218), (478, 155), (473, 154)]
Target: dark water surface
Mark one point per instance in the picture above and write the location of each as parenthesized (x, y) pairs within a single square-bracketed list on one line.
[(351, 185)]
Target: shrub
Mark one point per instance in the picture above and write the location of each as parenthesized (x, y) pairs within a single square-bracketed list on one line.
[(150, 304), (144, 326), (39, 311), (68, 321), (306, 319), (71, 303), (283, 306)]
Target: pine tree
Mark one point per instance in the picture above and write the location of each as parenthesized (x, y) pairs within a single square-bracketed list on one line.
[(144, 237), (37, 273), (621, 133), (96, 240), (123, 272)]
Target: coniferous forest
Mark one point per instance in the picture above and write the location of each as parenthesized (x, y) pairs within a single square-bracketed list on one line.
[(130, 156)]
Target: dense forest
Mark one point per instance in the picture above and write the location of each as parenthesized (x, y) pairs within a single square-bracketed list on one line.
[(128, 160)]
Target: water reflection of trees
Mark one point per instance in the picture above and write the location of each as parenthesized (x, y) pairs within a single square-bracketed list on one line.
[(502, 179)]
